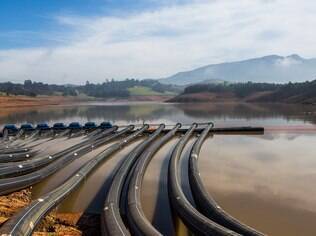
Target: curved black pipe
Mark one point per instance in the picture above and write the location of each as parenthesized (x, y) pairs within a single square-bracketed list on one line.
[(11, 184), (15, 157), (32, 136), (138, 222), (24, 223), (112, 222), (22, 167), (9, 143), (204, 202), (13, 150), (193, 219)]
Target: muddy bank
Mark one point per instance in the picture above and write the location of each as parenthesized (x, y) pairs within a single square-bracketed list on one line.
[(19, 104), (12, 203), (73, 224), (24, 101)]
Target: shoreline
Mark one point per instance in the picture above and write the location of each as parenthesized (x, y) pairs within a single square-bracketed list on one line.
[(54, 223), (258, 98), (11, 102)]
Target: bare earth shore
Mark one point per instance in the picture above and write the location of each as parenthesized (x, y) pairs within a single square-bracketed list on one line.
[(13, 104), (73, 224), (24, 101)]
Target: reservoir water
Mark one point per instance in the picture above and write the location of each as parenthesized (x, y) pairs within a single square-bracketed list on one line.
[(266, 181)]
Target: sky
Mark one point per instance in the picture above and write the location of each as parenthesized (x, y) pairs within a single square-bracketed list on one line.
[(72, 41)]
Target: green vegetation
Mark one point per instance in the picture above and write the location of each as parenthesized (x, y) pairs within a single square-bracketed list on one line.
[(33, 89), (108, 89), (239, 89), (146, 91), (142, 91), (304, 92)]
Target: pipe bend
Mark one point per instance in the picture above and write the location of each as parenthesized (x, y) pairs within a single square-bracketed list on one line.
[(192, 218), (205, 203)]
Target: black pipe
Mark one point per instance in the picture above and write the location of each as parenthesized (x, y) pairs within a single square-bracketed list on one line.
[(12, 184), (86, 141), (14, 150), (7, 145), (204, 202), (227, 130), (22, 167), (111, 221), (15, 157), (24, 223), (139, 224), (192, 218)]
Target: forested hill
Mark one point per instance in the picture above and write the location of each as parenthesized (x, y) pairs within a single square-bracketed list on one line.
[(108, 89), (250, 92)]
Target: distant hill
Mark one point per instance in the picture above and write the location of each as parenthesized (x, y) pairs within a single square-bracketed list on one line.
[(269, 69), (301, 93)]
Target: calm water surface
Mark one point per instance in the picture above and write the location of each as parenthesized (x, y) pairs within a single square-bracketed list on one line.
[(267, 181)]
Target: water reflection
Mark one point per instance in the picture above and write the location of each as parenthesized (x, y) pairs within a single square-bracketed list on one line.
[(117, 113), (222, 114), (266, 181)]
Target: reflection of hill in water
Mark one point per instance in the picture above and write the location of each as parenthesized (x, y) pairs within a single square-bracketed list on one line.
[(304, 113), (128, 113), (174, 112)]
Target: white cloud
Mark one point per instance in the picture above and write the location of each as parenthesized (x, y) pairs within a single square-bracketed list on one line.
[(170, 39)]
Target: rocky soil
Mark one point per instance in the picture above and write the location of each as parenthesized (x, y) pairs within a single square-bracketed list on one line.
[(72, 224)]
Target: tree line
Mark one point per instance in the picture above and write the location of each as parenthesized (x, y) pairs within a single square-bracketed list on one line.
[(299, 92), (107, 89), (241, 90), (29, 88)]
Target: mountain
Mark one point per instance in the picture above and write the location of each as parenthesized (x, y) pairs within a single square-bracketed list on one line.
[(273, 68)]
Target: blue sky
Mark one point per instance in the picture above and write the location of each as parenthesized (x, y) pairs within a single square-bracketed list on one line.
[(22, 18), (71, 41), (28, 23)]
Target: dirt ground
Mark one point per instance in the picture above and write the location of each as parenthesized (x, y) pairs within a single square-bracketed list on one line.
[(72, 224), (16, 104), (24, 101)]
